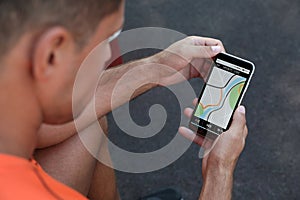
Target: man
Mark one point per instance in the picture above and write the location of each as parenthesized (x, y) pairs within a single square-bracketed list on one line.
[(43, 46)]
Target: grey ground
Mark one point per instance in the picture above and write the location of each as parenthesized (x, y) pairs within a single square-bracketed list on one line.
[(266, 32)]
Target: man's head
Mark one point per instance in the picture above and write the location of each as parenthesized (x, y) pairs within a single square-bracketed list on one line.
[(43, 44)]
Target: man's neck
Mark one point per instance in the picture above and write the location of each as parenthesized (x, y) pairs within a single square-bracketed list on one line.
[(20, 119), (17, 141)]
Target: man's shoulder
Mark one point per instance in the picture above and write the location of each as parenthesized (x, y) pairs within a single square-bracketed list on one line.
[(18, 179), (25, 179)]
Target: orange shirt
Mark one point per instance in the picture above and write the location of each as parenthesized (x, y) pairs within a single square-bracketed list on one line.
[(23, 179)]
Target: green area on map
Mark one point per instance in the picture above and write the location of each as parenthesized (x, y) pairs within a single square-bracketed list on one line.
[(234, 94), (199, 111)]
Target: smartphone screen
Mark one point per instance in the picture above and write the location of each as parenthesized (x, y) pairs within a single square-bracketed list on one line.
[(222, 94)]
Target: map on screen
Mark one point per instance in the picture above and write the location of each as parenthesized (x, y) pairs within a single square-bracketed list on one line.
[(220, 97)]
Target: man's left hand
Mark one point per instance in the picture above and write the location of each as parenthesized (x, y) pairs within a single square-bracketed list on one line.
[(191, 57)]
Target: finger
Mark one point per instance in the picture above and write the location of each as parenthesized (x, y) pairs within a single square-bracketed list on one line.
[(188, 112), (197, 40), (204, 41), (195, 101), (214, 42), (238, 122), (190, 135), (204, 51), (201, 67), (245, 132)]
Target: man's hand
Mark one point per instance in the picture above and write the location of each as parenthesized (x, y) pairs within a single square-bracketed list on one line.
[(190, 56), (221, 155)]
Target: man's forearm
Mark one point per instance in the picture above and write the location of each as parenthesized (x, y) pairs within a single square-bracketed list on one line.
[(217, 184), (121, 84)]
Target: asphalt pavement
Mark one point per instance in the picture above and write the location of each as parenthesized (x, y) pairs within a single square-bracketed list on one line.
[(265, 32)]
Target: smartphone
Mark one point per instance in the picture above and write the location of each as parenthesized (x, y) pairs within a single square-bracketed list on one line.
[(222, 93)]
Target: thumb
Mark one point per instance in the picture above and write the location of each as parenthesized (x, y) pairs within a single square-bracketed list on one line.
[(238, 121), (205, 51)]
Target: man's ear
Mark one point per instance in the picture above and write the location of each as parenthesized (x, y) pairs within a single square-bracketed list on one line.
[(51, 51)]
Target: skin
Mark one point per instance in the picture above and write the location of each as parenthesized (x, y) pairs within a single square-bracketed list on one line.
[(41, 69), (59, 158), (220, 156), (222, 175), (89, 177)]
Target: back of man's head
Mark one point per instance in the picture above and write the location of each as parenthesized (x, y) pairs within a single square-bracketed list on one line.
[(80, 17), (43, 44)]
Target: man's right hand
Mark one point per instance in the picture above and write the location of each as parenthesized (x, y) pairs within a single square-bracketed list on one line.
[(221, 155)]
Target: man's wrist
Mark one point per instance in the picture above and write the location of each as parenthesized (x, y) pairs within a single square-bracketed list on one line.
[(145, 73), (217, 183), (157, 58), (155, 69), (151, 71), (220, 170), (221, 164)]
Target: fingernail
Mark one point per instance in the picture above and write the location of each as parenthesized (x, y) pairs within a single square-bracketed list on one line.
[(216, 49), (242, 110)]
